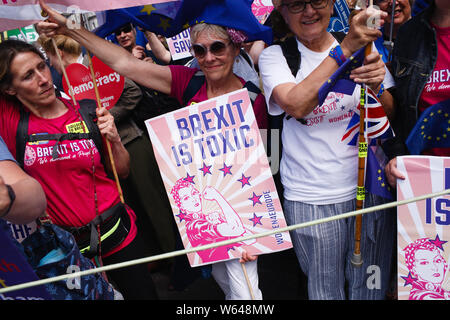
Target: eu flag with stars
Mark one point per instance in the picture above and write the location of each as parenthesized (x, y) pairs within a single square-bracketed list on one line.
[(376, 182), (169, 19), (432, 130), (340, 81)]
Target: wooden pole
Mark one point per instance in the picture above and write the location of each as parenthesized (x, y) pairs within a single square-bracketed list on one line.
[(356, 259), (64, 72), (244, 269), (108, 145)]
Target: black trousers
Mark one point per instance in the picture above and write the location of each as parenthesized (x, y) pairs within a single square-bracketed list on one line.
[(134, 282)]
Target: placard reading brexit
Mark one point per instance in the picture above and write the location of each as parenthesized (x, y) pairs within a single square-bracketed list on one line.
[(216, 174)]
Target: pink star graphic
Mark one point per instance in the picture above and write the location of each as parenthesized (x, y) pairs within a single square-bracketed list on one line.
[(226, 169), (409, 279), (189, 178), (256, 219), (205, 169), (255, 199), (244, 180), (438, 242), (181, 215)]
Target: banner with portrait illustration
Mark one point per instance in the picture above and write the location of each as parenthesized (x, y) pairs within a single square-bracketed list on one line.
[(217, 177), (423, 229)]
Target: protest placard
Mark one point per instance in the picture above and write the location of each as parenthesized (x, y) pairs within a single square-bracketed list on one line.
[(110, 84), (423, 229), (180, 45), (262, 9), (216, 174)]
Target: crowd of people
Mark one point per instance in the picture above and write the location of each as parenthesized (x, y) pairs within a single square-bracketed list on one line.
[(317, 171)]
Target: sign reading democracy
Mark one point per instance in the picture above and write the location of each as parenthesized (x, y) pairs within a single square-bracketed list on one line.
[(180, 45), (216, 174), (109, 83), (423, 229)]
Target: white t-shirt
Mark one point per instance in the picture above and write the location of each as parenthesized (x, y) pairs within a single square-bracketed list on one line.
[(316, 166)]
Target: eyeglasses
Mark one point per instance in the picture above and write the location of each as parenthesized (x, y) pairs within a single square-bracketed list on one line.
[(217, 48), (299, 6), (126, 28)]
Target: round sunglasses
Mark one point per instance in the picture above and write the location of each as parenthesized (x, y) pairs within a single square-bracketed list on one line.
[(300, 6), (217, 48), (126, 28)]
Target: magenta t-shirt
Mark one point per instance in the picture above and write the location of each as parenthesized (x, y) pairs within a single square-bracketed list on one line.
[(67, 180), (181, 76), (437, 88)]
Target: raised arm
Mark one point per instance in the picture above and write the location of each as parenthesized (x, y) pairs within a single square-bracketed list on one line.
[(147, 74), (233, 225)]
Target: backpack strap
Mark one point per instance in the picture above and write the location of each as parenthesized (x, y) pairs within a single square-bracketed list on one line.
[(291, 54), (87, 112), (253, 91), (193, 87), (290, 51), (22, 135)]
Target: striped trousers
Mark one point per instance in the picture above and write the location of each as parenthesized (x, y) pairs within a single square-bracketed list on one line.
[(324, 250)]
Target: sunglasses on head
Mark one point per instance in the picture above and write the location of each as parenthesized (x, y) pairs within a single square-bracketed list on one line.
[(217, 48), (126, 28)]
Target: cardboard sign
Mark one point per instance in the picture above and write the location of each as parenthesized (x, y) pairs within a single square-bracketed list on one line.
[(262, 9), (109, 83), (216, 174), (423, 229), (180, 45)]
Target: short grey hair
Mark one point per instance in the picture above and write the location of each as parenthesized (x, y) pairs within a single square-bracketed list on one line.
[(210, 29)]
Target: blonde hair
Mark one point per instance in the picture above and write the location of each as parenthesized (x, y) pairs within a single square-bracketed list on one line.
[(64, 43)]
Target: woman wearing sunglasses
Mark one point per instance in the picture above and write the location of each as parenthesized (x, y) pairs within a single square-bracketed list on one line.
[(318, 170), (215, 48)]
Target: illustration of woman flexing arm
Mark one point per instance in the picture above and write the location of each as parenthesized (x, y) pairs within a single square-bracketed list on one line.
[(206, 228)]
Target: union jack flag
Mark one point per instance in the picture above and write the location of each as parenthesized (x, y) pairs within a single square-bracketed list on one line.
[(377, 125)]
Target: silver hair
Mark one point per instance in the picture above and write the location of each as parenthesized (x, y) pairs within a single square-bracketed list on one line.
[(210, 29)]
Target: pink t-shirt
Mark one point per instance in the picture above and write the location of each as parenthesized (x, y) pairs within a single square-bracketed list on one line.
[(437, 88), (66, 180), (181, 76)]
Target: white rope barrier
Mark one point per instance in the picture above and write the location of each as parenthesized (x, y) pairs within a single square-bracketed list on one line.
[(219, 244)]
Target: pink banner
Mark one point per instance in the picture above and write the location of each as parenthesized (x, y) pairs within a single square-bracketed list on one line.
[(262, 9), (216, 174), (20, 13), (423, 229)]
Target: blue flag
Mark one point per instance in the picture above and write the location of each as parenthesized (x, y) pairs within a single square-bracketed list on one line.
[(376, 182), (432, 130), (339, 21), (169, 19), (15, 269), (340, 81)]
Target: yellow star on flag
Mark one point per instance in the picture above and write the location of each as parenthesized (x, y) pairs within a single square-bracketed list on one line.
[(148, 9), (164, 23)]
